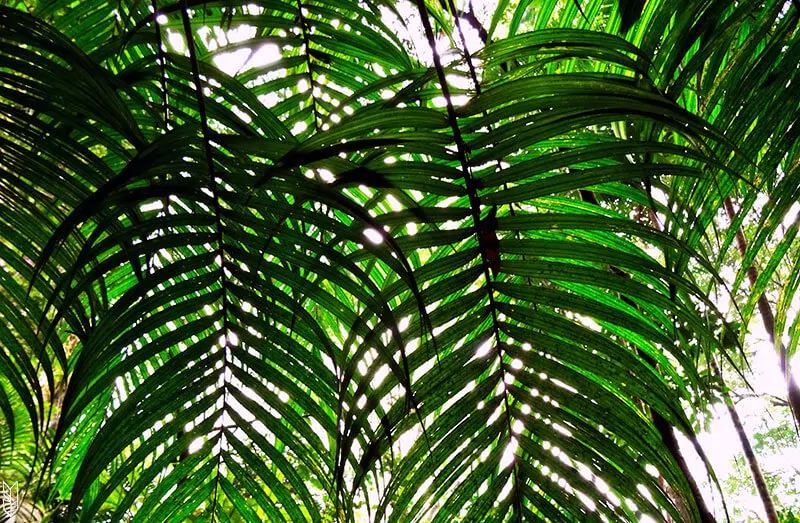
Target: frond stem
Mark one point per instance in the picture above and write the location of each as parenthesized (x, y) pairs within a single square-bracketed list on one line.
[(209, 153), (474, 201), (307, 43), (162, 63)]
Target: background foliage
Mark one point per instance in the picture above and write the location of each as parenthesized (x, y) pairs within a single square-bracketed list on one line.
[(363, 260)]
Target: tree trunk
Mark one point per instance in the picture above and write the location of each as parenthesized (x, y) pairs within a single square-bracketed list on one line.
[(671, 442), (793, 391), (665, 430), (750, 456)]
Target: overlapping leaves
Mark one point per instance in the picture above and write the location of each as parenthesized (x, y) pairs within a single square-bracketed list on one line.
[(284, 299)]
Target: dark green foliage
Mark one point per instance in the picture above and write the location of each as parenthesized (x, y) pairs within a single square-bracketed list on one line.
[(353, 280)]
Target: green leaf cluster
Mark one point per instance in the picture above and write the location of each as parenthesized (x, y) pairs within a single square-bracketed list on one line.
[(338, 260)]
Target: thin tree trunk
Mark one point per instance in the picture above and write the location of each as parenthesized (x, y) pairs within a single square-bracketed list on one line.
[(767, 318), (667, 432), (769, 323), (664, 428), (750, 456)]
